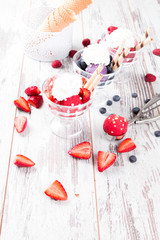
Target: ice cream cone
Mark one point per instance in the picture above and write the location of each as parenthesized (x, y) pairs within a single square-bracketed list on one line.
[(62, 16), (76, 5)]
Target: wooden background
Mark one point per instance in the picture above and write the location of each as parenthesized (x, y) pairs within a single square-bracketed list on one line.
[(121, 203)]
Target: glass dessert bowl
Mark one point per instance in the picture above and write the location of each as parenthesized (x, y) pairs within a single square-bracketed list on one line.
[(68, 113), (114, 36), (107, 77)]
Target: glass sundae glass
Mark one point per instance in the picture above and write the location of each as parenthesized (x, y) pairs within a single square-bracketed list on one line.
[(67, 120)]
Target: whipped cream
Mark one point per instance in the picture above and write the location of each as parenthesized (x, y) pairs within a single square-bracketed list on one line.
[(66, 86), (115, 39), (96, 54)]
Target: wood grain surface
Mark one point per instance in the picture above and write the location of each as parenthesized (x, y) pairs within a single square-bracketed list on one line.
[(123, 202)]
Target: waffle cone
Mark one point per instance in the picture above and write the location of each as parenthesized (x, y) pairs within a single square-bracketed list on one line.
[(62, 16), (76, 5)]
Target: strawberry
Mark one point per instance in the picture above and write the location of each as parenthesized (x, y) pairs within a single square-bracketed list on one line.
[(72, 101), (156, 52), (85, 94), (36, 101), (56, 191), (22, 161), (126, 145), (115, 125), (20, 123), (111, 29), (84, 81), (150, 77), (56, 64), (72, 53), (22, 104), (105, 160), (32, 91), (81, 150), (98, 41), (86, 42)]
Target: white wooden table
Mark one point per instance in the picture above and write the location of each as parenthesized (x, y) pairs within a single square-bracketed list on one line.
[(121, 203)]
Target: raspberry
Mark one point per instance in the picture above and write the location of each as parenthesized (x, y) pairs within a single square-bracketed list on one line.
[(86, 42), (71, 53), (56, 64), (156, 52), (150, 77)]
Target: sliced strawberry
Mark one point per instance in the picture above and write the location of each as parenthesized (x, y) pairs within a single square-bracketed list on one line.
[(22, 161), (111, 29), (84, 81), (20, 123), (36, 101), (72, 101), (150, 77), (56, 191), (156, 52), (86, 94), (22, 104), (105, 160), (126, 145), (81, 150), (32, 91)]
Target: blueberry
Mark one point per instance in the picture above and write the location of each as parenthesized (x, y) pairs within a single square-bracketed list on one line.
[(109, 103), (102, 110), (136, 110), (116, 98), (157, 133), (83, 65), (147, 100), (134, 95), (109, 69), (132, 159)]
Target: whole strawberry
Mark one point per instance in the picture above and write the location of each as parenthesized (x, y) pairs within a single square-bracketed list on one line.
[(115, 125)]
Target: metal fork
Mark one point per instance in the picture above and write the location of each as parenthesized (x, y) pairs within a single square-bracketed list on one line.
[(145, 115)]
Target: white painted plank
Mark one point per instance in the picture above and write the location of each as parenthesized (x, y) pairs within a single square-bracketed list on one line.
[(10, 71), (127, 194)]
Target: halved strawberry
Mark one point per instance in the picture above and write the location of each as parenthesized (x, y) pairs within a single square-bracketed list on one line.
[(110, 29), (81, 150), (56, 191), (105, 160), (20, 123), (84, 81), (36, 101), (22, 161), (126, 145), (32, 91), (86, 94), (22, 104)]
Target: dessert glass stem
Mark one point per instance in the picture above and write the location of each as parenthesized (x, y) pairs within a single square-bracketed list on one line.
[(66, 127)]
